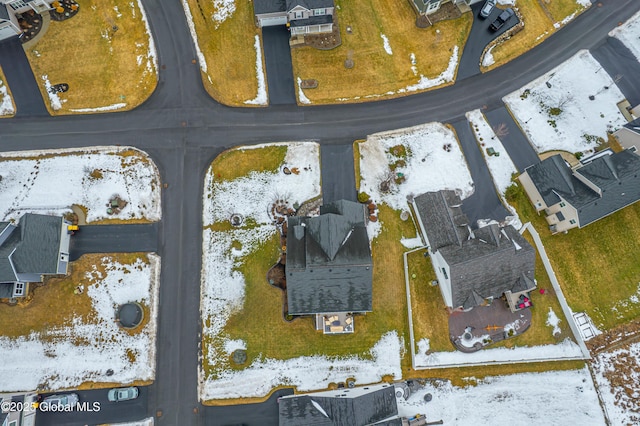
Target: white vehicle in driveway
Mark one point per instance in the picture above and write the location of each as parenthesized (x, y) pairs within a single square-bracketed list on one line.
[(487, 8), (67, 401), (122, 394)]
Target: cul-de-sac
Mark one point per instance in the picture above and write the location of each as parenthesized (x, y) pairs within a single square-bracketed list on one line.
[(319, 212)]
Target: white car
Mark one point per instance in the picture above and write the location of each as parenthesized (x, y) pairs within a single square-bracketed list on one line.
[(487, 8), (122, 394), (67, 400)]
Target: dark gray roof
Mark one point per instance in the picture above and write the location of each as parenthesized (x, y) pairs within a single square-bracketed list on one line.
[(324, 410), (309, 4), (269, 6), (447, 223), (6, 290), (312, 20), (33, 246), (484, 262), (329, 261), (4, 13), (634, 125), (617, 175)]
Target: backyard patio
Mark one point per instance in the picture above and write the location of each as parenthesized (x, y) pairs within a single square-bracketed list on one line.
[(340, 323)]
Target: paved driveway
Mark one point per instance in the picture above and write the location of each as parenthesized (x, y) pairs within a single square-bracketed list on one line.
[(515, 142), (479, 37), (114, 239), (484, 203), (618, 61), (338, 176), (20, 79), (277, 54), (263, 414)]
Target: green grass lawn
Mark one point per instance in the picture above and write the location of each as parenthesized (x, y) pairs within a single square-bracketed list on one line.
[(560, 9), (375, 72), (597, 266)]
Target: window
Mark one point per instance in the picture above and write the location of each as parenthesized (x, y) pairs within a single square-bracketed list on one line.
[(572, 221), (18, 4), (13, 423), (562, 204), (433, 6), (18, 290), (444, 272), (318, 12), (298, 15)]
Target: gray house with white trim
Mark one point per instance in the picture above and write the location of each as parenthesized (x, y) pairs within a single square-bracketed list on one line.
[(26, 417), (300, 16), (629, 135), (328, 269), (9, 9), (36, 247), (474, 267), (575, 197)]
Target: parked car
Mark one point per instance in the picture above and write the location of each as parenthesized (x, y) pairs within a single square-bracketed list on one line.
[(60, 401), (487, 9), (502, 19), (122, 394)]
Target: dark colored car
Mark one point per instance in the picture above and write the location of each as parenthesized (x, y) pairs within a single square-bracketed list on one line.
[(502, 19), (487, 9)]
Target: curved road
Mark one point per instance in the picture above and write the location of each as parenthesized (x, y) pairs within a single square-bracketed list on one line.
[(183, 130)]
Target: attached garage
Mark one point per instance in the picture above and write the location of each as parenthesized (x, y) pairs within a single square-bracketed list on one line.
[(7, 31), (270, 21)]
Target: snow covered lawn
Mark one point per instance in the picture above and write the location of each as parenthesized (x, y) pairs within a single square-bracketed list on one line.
[(629, 34), (86, 347), (428, 157), (550, 398), (6, 103), (50, 181), (562, 117)]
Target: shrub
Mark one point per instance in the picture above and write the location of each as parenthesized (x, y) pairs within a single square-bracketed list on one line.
[(552, 123), (512, 192), (578, 155), (399, 151), (363, 197), (555, 111)]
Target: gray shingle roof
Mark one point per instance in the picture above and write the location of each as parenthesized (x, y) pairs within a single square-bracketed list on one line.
[(269, 6), (485, 263), (312, 20), (329, 261), (634, 125), (309, 4), (617, 175), (4, 13), (6, 291), (338, 408)]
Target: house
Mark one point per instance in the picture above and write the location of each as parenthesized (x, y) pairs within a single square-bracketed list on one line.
[(575, 197), (427, 7), (301, 16), (10, 11), (328, 266), (11, 412), (37, 246), (474, 266), (369, 405), (629, 135)]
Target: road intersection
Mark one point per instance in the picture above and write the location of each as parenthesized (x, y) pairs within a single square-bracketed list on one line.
[(183, 130)]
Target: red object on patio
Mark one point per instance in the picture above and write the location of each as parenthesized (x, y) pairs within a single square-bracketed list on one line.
[(542, 291)]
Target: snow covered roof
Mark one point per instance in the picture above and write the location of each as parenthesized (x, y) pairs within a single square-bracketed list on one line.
[(329, 266), (342, 407)]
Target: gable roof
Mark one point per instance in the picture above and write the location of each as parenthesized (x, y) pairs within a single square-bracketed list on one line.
[(616, 175), (329, 261), (342, 407), (31, 247), (269, 6), (309, 4), (483, 262)]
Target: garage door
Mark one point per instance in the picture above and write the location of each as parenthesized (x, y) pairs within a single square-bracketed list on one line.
[(272, 20), (6, 32)]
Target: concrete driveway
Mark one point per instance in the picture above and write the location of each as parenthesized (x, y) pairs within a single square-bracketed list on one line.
[(21, 80), (515, 142), (479, 37), (277, 55), (114, 239), (484, 202), (338, 175)]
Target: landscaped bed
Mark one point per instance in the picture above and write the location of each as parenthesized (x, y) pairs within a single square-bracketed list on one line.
[(541, 19), (7, 109), (390, 55), (43, 182), (228, 45), (65, 331), (105, 54), (556, 110)]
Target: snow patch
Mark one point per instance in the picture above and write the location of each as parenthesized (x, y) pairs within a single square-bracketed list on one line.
[(488, 60), (629, 34), (261, 97), (301, 96), (223, 9), (553, 321), (104, 108), (387, 46), (194, 36), (412, 243), (152, 55), (6, 104), (54, 99)]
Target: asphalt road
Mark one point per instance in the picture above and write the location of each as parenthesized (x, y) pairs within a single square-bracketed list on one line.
[(183, 130), (97, 410), (20, 79), (277, 55), (479, 36), (114, 239), (338, 175), (484, 202), (514, 141), (622, 66)]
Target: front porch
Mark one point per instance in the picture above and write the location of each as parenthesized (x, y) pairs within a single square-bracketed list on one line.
[(335, 323)]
